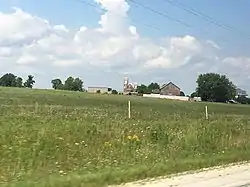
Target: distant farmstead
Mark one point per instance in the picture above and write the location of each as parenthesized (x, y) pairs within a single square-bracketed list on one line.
[(97, 89), (128, 87), (170, 89)]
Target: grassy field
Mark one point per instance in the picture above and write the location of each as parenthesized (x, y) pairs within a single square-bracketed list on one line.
[(71, 139)]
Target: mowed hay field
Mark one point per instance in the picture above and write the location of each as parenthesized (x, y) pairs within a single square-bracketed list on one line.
[(72, 139)]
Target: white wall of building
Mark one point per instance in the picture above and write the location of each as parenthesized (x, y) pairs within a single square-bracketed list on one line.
[(180, 98), (94, 89)]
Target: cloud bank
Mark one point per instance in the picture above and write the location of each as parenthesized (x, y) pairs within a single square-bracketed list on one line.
[(30, 44)]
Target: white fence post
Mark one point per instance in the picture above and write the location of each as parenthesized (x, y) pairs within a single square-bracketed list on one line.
[(206, 112), (129, 111)]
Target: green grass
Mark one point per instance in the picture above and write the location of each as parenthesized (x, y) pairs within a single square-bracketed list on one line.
[(71, 139)]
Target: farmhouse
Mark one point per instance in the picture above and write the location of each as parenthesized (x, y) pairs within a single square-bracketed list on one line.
[(170, 89), (100, 88)]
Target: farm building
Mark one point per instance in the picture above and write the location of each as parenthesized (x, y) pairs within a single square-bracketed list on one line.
[(128, 87), (240, 92), (100, 88), (170, 89)]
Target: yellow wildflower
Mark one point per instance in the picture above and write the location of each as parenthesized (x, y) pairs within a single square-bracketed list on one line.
[(107, 144), (129, 137), (135, 137)]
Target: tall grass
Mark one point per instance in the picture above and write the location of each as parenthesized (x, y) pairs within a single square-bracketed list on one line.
[(54, 138)]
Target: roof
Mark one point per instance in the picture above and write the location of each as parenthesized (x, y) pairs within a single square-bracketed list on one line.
[(164, 85)]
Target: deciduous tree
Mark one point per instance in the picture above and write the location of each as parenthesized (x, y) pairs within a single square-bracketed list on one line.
[(182, 93), (57, 84), (69, 83), (29, 83), (19, 82), (242, 99), (194, 94), (114, 92), (8, 80), (215, 87), (143, 89), (72, 84), (77, 85), (153, 87)]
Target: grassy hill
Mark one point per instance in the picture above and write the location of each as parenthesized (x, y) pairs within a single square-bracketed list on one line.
[(72, 139)]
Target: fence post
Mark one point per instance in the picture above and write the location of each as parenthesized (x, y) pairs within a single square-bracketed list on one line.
[(129, 110), (206, 112)]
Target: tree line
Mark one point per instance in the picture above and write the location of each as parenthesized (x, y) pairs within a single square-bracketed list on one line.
[(73, 84), (70, 84), (11, 80), (211, 87)]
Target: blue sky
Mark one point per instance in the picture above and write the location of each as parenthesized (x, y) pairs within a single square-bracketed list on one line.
[(74, 14)]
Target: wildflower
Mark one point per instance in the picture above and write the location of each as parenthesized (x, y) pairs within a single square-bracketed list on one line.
[(107, 144), (135, 138)]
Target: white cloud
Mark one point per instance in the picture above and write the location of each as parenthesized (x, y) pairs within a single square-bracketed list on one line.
[(28, 41), (20, 26), (213, 44), (5, 52), (26, 59), (238, 62)]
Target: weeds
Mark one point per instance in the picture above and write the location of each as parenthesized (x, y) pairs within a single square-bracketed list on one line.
[(50, 138)]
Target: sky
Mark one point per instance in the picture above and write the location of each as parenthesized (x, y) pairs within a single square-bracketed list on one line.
[(102, 41)]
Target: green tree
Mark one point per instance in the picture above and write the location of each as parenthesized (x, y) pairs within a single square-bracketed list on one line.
[(114, 92), (143, 89), (242, 99), (8, 80), (29, 82), (248, 100), (57, 84), (194, 94), (77, 85), (153, 87), (215, 87), (11, 80), (69, 83), (19, 82), (182, 93)]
